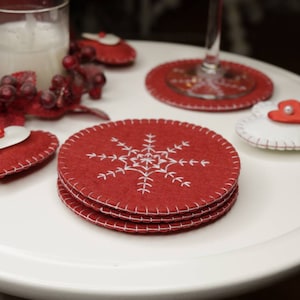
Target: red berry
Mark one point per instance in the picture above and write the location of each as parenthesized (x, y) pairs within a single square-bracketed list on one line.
[(88, 53), (99, 79), (48, 99), (74, 47), (7, 93), (8, 79), (28, 90), (95, 92), (58, 81), (70, 62)]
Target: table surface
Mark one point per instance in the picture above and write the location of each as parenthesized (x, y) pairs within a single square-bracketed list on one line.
[(46, 252)]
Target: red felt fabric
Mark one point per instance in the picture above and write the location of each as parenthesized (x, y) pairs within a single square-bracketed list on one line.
[(35, 149), (158, 88), (281, 116), (119, 54), (149, 167), (117, 224), (143, 218)]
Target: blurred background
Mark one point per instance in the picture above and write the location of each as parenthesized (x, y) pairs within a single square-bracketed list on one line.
[(268, 30)]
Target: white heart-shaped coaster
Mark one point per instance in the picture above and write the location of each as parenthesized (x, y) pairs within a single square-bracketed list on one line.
[(13, 135), (260, 131)]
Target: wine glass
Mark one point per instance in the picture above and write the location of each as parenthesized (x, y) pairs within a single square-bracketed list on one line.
[(210, 79)]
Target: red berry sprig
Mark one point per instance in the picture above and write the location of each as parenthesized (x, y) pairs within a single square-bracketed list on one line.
[(82, 62), (84, 74)]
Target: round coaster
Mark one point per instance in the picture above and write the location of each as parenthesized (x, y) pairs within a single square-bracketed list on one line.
[(261, 131), (109, 222), (35, 149), (146, 218), (119, 54), (158, 88), (149, 167)]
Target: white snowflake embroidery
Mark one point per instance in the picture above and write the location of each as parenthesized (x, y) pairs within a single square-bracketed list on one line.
[(147, 161)]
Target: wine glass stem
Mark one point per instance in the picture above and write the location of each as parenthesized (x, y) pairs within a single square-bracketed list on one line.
[(211, 61)]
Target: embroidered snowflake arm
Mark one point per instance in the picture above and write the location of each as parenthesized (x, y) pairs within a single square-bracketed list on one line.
[(129, 149), (175, 148), (111, 173), (179, 179), (176, 179), (103, 156), (202, 162), (192, 162), (149, 143), (144, 184)]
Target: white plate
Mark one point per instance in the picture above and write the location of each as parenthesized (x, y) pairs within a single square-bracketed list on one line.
[(47, 252)]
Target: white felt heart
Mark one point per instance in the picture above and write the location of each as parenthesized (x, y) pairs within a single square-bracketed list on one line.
[(105, 39), (13, 135), (260, 131)]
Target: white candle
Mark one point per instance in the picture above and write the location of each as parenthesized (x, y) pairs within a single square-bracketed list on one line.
[(33, 45)]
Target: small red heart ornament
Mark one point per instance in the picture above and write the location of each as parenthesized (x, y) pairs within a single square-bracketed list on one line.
[(288, 112)]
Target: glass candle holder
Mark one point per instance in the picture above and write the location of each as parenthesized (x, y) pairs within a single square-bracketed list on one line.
[(34, 37)]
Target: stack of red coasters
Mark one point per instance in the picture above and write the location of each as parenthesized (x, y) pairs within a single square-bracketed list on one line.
[(148, 176)]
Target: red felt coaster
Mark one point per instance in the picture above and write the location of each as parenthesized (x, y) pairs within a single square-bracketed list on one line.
[(149, 167), (119, 54), (109, 222), (35, 149), (172, 217), (157, 86)]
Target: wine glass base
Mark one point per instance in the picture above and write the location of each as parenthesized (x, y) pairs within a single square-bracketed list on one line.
[(157, 86), (228, 82)]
